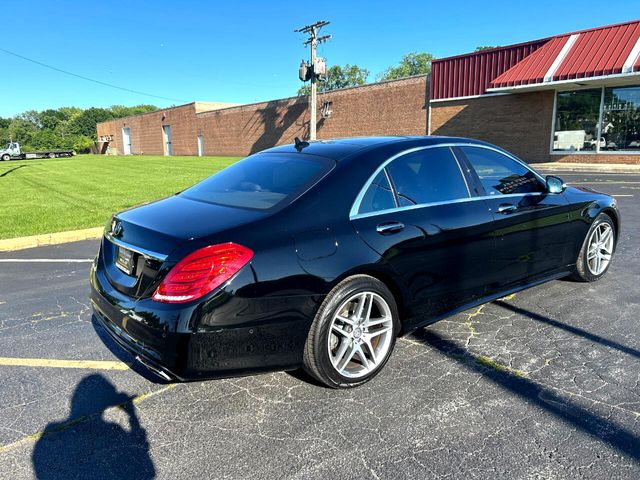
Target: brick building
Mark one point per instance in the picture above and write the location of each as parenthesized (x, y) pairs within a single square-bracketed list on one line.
[(573, 97), (398, 107)]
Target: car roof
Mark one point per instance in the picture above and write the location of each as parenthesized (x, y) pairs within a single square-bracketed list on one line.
[(339, 148)]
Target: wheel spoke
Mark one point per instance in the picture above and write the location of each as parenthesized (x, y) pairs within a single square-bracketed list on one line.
[(592, 253), (346, 320), (342, 362), (361, 305), (365, 361), (372, 353), (335, 359), (378, 332), (339, 330), (372, 322), (607, 235), (367, 312)]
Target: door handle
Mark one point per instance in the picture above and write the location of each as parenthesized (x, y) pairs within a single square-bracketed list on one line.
[(506, 208), (389, 227)]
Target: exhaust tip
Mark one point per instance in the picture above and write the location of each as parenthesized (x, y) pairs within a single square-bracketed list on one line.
[(159, 372)]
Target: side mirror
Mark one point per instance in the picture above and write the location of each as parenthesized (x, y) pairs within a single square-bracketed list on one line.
[(555, 184)]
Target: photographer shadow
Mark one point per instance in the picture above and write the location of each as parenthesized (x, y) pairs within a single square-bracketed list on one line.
[(86, 445)]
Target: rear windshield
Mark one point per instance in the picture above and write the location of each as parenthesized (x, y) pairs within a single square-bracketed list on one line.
[(261, 181)]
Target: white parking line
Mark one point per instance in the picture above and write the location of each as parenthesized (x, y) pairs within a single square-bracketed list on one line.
[(46, 260), (603, 182)]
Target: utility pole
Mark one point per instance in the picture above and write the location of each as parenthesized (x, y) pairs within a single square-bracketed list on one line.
[(314, 41)]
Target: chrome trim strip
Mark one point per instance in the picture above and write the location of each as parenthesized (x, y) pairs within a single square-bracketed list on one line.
[(433, 204), (353, 213), (464, 177), (142, 251), (392, 187)]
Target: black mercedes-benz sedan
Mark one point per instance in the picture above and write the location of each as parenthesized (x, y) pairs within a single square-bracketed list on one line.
[(319, 254)]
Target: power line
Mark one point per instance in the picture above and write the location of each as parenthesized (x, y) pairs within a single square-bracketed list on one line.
[(99, 82)]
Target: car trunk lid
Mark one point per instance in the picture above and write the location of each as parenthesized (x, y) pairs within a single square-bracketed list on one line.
[(136, 248)]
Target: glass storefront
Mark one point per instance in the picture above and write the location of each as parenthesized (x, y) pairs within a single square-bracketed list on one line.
[(621, 118), (615, 110)]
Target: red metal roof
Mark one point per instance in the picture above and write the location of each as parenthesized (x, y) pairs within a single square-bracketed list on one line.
[(472, 73), (595, 52), (587, 53), (533, 68), (602, 51)]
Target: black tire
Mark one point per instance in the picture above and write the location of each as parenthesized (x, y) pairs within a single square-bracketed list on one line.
[(6, 157), (52, 155), (582, 272), (317, 361)]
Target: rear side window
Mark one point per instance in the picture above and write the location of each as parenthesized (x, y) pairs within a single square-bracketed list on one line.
[(378, 196), (501, 175), (262, 181), (427, 176)]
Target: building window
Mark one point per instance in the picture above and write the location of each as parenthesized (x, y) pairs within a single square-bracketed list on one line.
[(597, 120), (577, 120), (621, 119)]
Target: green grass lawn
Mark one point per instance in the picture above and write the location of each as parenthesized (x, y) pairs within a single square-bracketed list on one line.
[(45, 196)]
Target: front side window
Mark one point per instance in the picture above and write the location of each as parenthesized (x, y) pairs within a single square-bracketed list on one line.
[(261, 181), (621, 119), (427, 176), (501, 175)]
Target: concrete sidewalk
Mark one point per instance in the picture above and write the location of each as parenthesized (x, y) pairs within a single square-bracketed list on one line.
[(587, 167)]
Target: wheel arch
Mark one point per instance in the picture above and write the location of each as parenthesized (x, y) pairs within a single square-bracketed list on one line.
[(615, 218), (388, 280)]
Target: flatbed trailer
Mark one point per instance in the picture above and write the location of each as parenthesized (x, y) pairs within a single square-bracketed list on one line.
[(14, 152)]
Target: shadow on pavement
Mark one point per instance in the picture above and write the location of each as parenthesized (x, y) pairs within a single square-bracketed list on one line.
[(568, 328), (616, 436), (87, 446)]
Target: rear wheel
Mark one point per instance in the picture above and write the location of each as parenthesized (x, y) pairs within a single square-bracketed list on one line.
[(353, 334), (597, 250), (52, 155)]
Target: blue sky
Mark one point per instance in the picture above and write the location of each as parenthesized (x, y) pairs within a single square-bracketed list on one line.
[(246, 51)]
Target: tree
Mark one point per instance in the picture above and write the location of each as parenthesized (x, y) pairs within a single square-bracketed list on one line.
[(411, 64), (120, 111), (485, 47), (62, 128), (85, 123), (339, 77)]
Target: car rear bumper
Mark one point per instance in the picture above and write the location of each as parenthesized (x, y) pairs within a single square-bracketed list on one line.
[(170, 341)]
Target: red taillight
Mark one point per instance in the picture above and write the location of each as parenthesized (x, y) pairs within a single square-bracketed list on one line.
[(201, 272)]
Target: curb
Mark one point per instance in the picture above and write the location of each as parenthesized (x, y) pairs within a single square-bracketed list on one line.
[(588, 167), (20, 243)]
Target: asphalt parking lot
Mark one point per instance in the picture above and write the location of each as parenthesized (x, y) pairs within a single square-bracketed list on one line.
[(541, 384)]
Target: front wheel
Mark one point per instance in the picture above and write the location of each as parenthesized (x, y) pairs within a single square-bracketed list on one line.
[(6, 157), (597, 250), (353, 333)]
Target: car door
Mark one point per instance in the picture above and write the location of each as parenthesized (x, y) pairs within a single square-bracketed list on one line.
[(418, 213), (530, 223)]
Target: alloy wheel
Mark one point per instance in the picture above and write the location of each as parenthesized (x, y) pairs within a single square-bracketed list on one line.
[(361, 335), (600, 248)]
